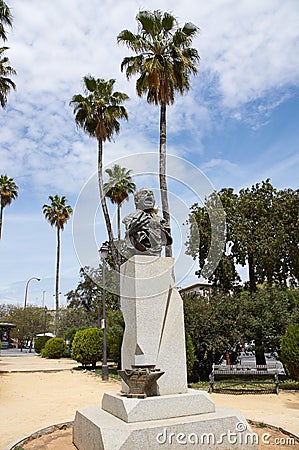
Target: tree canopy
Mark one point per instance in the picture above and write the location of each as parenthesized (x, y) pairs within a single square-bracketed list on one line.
[(262, 225)]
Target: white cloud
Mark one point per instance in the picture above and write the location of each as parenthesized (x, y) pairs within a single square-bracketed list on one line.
[(252, 46), (249, 62)]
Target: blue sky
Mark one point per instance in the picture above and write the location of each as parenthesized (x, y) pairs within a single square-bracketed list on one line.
[(238, 125)]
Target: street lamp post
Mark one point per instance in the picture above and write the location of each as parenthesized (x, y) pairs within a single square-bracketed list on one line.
[(25, 304), (104, 250), (45, 322)]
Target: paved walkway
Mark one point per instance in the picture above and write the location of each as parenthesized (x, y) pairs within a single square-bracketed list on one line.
[(17, 361)]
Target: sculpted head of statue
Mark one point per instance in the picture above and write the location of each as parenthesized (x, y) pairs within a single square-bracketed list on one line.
[(144, 199)]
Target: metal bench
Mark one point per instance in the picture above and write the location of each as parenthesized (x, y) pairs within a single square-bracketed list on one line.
[(247, 374)]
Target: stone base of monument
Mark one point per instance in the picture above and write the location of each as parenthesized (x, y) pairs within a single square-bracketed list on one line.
[(169, 422)]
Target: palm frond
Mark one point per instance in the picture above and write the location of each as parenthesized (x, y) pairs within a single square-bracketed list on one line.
[(57, 213), (97, 113), (5, 19), (164, 57), (168, 21), (5, 82), (8, 190)]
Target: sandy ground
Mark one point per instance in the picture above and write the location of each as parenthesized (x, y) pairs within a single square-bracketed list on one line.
[(33, 398)]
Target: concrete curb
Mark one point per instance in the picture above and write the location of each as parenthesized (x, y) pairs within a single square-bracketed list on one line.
[(38, 433), (274, 428), (36, 370), (64, 425)]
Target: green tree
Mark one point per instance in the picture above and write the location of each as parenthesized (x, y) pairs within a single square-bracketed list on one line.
[(8, 193), (115, 331), (254, 236), (225, 276), (33, 325), (98, 114), (213, 327), (262, 224), (190, 355), (265, 317), (5, 82), (164, 62), (219, 323), (74, 318), (286, 216), (57, 214), (87, 296), (290, 350), (117, 189), (5, 19)]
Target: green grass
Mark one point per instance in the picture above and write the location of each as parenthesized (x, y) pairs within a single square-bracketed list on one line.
[(238, 385), (289, 385), (112, 373)]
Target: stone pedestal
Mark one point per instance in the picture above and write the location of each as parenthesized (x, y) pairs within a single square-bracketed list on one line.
[(171, 416), (153, 314), (96, 429)]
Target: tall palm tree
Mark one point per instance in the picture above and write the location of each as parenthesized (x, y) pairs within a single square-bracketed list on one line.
[(164, 63), (5, 82), (5, 19), (8, 192), (57, 214), (118, 188), (98, 114)]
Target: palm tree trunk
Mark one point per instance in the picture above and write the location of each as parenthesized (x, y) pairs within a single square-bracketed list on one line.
[(1, 219), (57, 282), (118, 229), (162, 173), (115, 255)]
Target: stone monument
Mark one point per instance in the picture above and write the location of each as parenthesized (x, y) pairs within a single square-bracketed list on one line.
[(155, 409)]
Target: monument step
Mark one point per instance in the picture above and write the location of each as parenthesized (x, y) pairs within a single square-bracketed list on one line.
[(130, 410)]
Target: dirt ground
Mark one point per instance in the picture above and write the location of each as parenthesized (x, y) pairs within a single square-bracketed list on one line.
[(36, 393)]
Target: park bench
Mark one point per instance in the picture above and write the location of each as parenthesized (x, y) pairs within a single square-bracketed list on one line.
[(238, 374)]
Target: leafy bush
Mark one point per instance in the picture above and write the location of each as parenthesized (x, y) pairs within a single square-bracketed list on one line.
[(54, 348), (87, 346), (289, 385), (40, 343), (70, 334), (290, 350), (115, 331)]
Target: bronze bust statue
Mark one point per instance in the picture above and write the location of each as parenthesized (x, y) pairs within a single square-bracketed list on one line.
[(146, 232)]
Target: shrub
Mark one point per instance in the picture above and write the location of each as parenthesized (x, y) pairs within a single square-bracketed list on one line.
[(54, 348), (115, 331), (70, 334), (290, 350), (87, 346), (40, 343)]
